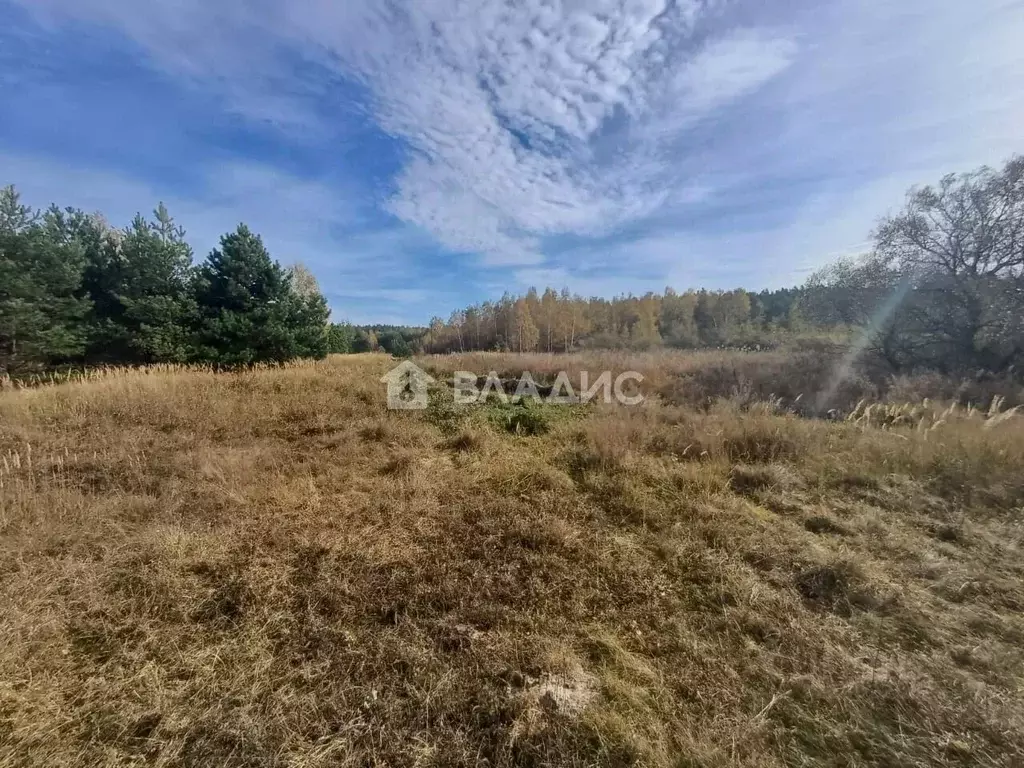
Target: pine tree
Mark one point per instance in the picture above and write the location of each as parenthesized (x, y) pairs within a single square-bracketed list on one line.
[(248, 310), (164, 226), (394, 343), (145, 307), (307, 317), (340, 338), (14, 216), (41, 313)]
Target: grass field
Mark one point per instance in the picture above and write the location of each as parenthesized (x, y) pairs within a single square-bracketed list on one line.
[(269, 568)]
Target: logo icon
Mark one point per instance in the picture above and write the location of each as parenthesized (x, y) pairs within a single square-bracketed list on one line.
[(407, 387)]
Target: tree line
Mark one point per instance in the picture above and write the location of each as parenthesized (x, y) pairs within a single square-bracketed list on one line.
[(942, 288), (555, 321), (74, 290)]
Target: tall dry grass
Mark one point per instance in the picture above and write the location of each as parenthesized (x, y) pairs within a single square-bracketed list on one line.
[(807, 381), (269, 568)]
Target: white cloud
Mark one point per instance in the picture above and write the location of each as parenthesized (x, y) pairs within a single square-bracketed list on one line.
[(503, 103), (882, 97), (503, 106), (792, 126), (729, 67)]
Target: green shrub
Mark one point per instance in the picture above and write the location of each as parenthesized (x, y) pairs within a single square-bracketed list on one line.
[(525, 421)]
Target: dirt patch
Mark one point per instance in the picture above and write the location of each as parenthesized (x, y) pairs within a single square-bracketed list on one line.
[(566, 695)]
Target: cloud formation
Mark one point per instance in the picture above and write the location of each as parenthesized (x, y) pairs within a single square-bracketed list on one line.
[(521, 118), (528, 118), (616, 143)]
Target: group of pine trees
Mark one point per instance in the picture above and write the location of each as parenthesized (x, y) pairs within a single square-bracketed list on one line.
[(74, 290)]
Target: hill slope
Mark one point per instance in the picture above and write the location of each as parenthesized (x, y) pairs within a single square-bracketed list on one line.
[(270, 569)]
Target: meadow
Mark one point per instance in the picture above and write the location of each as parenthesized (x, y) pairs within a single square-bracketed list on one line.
[(269, 568)]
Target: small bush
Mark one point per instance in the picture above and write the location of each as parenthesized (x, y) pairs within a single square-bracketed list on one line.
[(746, 480), (442, 412), (465, 441), (526, 421)]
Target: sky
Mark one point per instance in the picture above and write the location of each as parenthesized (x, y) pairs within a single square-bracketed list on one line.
[(422, 155)]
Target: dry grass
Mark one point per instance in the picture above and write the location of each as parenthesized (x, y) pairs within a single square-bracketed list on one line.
[(270, 569), (799, 380)]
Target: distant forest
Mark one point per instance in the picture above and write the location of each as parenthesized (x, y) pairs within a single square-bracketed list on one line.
[(558, 321), (941, 289)]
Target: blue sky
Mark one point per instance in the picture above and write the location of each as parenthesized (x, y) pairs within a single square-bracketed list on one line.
[(422, 155)]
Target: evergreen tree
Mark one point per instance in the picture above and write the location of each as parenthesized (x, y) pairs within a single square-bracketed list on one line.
[(41, 313), (248, 311), (14, 216), (340, 339), (394, 343), (140, 280), (307, 317)]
